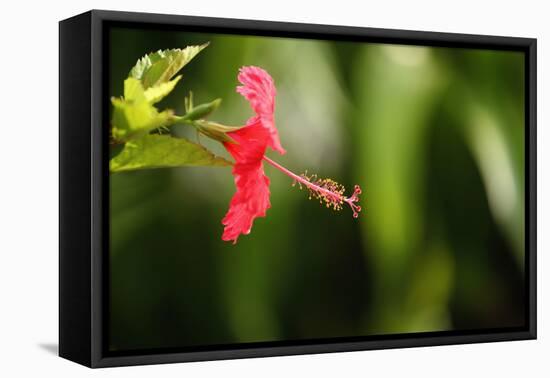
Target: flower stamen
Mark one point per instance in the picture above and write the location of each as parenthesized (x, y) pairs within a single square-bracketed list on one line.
[(326, 191)]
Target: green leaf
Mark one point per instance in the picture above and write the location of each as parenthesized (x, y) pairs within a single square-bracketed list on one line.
[(134, 116), (160, 151), (133, 90), (157, 93), (134, 119), (159, 67)]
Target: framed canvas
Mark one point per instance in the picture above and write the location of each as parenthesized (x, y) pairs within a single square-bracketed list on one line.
[(234, 188)]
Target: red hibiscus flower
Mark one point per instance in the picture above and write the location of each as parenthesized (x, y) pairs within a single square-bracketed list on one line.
[(252, 197), (251, 200)]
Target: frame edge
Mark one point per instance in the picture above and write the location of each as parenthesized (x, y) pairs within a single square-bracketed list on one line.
[(74, 193), (99, 17)]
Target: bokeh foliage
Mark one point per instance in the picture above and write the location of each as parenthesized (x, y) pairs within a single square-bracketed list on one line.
[(434, 136)]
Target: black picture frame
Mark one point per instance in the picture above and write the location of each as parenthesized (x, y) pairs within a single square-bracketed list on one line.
[(84, 190)]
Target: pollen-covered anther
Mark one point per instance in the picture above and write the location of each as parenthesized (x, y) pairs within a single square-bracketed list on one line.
[(326, 191), (330, 193)]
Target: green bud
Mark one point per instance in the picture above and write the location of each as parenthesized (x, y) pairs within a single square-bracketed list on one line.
[(202, 110), (215, 130)]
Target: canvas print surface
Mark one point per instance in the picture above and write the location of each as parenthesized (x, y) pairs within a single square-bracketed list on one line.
[(286, 190)]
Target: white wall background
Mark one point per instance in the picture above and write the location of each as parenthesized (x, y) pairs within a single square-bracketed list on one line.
[(29, 188)]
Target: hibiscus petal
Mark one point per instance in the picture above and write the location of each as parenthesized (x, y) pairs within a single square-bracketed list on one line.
[(258, 88), (251, 200)]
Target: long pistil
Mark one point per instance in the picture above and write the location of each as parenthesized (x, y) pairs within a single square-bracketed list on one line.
[(325, 190)]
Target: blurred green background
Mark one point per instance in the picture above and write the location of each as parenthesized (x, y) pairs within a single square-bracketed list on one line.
[(434, 136)]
